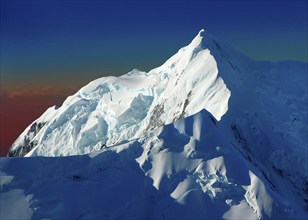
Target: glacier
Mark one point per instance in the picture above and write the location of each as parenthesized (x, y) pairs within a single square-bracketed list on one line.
[(209, 134)]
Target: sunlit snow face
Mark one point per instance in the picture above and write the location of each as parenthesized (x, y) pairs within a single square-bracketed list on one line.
[(110, 110)]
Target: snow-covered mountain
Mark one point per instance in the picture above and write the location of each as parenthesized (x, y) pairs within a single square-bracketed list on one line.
[(111, 110), (209, 134)]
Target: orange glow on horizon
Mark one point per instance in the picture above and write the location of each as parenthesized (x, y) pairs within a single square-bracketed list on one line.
[(20, 107), (23, 101)]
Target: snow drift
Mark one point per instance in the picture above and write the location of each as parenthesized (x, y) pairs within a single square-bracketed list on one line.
[(178, 171)]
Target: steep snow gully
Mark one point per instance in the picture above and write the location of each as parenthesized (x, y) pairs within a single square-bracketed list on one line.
[(210, 134)]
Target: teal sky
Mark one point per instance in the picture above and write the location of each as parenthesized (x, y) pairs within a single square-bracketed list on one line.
[(77, 41)]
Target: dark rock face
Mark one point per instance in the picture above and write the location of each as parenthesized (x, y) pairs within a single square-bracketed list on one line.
[(27, 144), (155, 120)]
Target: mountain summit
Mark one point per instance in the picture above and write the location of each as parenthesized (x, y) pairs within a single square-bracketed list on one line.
[(111, 110), (209, 134)]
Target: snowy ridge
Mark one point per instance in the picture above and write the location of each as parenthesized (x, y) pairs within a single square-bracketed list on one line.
[(178, 171), (110, 110)]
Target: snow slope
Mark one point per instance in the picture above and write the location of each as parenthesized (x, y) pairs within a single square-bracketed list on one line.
[(184, 170), (110, 110), (210, 129)]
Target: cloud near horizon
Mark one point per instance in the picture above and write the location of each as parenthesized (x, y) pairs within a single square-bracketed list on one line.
[(36, 90)]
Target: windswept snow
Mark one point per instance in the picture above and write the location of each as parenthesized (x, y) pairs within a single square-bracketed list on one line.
[(178, 171)]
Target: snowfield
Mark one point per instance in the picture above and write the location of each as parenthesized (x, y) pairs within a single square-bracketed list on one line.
[(178, 171), (210, 134)]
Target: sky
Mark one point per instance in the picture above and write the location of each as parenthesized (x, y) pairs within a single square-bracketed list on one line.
[(49, 49)]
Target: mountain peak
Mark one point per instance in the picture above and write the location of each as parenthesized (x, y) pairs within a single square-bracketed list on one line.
[(110, 110), (195, 43)]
